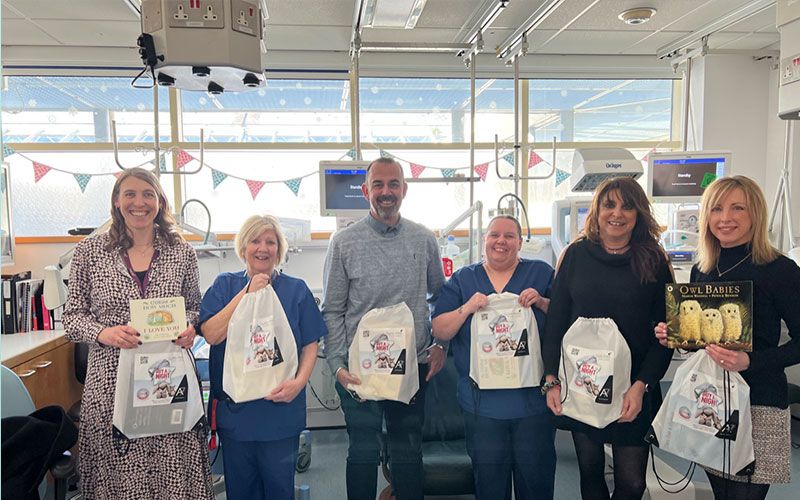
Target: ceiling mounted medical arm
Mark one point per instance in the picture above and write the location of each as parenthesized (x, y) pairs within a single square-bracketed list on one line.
[(514, 176), (157, 159), (476, 208), (521, 204)]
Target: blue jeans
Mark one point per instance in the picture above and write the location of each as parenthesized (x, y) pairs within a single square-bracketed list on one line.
[(404, 434), (522, 448)]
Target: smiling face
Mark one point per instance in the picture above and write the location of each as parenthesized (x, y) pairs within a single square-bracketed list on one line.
[(729, 220), (138, 203), (261, 253), (616, 220), (385, 189), (502, 243)]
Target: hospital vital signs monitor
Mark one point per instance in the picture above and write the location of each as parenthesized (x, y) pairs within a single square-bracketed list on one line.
[(681, 177), (340, 188)]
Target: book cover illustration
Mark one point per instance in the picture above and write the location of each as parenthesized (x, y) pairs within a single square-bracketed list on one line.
[(158, 319), (719, 313)]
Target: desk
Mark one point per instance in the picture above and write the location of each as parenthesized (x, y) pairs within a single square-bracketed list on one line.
[(44, 360)]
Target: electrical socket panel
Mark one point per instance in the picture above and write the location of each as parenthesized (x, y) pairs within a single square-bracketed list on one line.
[(245, 17), (196, 13)]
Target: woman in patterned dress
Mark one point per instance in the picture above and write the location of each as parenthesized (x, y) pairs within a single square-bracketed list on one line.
[(141, 256), (734, 246)]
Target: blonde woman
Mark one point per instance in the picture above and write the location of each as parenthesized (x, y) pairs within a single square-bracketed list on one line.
[(260, 437), (734, 246)]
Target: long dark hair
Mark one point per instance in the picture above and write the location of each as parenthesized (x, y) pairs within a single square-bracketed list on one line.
[(165, 225), (646, 253)]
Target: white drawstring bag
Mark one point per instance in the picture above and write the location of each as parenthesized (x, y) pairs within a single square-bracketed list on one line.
[(260, 352), (705, 417), (157, 392), (505, 350), (384, 355), (595, 371)]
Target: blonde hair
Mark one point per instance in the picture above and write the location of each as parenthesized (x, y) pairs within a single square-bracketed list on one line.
[(708, 248), (254, 226), (165, 225)]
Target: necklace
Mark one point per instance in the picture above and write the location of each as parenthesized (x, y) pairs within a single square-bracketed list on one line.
[(719, 274), (143, 251), (615, 250)]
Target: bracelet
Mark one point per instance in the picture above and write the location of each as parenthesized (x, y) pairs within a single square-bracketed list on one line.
[(550, 385)]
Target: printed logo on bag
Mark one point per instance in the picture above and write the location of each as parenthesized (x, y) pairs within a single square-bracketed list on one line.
[(701, 409), (593, 377), (159, 382), (383, 351), (500, 339), (263, 350)]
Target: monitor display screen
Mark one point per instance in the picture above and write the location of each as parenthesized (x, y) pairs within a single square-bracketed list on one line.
[(340, 189), (682, 177)]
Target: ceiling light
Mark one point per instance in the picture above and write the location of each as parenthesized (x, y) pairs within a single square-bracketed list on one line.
[(639, 15), (392, 13)]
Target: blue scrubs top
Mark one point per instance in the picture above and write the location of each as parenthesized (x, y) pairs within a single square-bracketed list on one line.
[(493, 403), (261, 420)]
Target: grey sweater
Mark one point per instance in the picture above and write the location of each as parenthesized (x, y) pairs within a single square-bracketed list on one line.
[(370, 265)]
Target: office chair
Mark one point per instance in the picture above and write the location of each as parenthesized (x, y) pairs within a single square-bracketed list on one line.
[(16, 401), (446, 465), (81, 357)]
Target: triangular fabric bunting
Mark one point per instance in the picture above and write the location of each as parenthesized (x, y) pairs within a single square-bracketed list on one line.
[(294, 185), (7, 151), (416, 170), (255, 187), (117, 174), (561, 176), (162, 162), (82, 180), (217, 177), (39, 171), (183, 158), (534, 160), (509, 157), (386, 154), (448, 172), (482, 169), (352, 154)]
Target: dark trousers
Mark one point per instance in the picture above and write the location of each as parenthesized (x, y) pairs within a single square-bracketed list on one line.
[(260, 470), (520, 448), (404, 435)]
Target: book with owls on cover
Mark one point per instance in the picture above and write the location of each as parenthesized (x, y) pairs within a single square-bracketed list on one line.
[(719, 313)]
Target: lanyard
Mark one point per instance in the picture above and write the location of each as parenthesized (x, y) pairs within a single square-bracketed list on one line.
[(142, 284)]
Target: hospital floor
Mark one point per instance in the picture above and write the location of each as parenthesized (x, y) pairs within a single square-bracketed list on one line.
[(326, 479)]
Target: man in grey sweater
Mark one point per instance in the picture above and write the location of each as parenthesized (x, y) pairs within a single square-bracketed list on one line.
[(380, 261)]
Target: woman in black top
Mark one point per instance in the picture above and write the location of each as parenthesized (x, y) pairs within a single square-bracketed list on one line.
[(616, 270), (734, 246)]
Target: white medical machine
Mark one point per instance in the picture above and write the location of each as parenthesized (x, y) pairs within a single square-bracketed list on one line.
[(208, 45), (590, 167), (340, 193)]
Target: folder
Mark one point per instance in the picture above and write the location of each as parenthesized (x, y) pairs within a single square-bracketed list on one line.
[(10, 302)]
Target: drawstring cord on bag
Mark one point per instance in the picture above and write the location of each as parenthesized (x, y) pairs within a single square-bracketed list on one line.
[(663, 483)]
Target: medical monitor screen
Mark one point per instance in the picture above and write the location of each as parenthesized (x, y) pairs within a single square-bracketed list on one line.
[(340, 188), (682, 177)]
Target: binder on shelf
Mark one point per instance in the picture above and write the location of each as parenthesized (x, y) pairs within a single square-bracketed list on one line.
[(10, 303)]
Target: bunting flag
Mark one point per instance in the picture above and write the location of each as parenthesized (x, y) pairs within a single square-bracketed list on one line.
[(117, 174), (448, 172), (510, 158), (561, 176), (7, 151), (183, 158), (217, 177), (534, 160), (352, 154), (386, 154), (294, 185), (255, 187), (82, 180), (416, 170), (162, 162), (646, 157), (482, 169), (39, 171)]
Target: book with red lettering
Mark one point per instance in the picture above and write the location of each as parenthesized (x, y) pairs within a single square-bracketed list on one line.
[(699, 314)]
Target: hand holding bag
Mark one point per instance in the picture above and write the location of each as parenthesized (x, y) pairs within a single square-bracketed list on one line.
[(705, 417), (595, 371), (505, 349), (260, 352), (157, 392), (384, 355)]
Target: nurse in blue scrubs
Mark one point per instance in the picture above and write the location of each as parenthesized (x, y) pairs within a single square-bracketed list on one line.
[(260, 438), (509, 432)]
